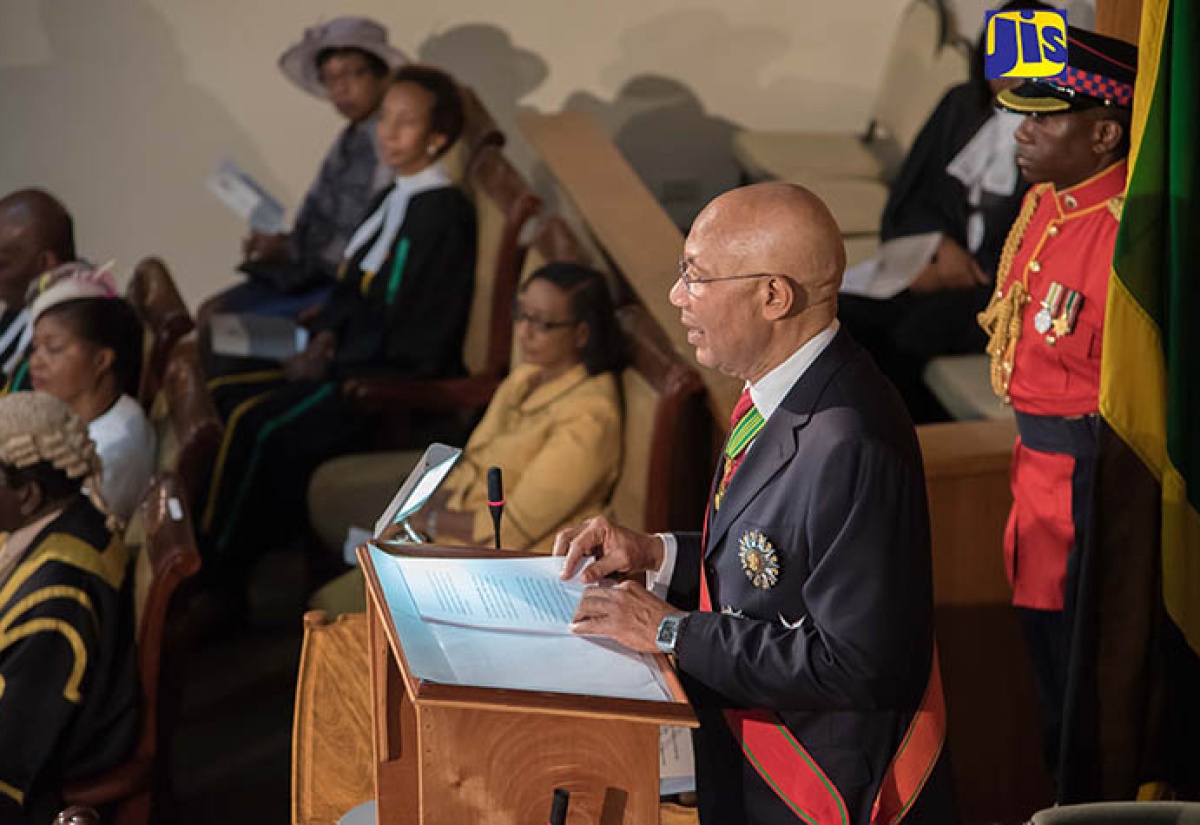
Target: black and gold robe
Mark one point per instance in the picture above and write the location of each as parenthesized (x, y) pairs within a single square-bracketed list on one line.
[(68, 686)]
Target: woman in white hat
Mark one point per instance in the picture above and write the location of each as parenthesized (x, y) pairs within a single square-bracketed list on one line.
[(348, 62)]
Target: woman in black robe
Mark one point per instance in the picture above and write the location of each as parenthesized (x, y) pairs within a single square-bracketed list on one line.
[(400, 307)]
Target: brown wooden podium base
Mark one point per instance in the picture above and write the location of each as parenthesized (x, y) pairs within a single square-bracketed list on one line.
[(452, 759)]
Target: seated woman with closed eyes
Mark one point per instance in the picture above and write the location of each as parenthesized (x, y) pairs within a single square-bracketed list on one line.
[(553, 427), (87, 351)]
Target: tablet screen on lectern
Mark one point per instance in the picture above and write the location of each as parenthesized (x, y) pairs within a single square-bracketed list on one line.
[(421, 483)]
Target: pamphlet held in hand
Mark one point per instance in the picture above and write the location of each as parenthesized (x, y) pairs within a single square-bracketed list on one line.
[(247, 198)]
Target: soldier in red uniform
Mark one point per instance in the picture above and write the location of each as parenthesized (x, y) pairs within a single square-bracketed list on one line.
[(1046, 322)]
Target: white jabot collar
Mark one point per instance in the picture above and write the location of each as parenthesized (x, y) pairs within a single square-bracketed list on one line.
[(385, 222), (988, 163), (773, 387)]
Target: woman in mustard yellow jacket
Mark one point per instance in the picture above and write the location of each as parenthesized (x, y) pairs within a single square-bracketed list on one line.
[(553, 427)]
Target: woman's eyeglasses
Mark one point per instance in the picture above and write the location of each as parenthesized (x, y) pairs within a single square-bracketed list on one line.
[(541, 325)]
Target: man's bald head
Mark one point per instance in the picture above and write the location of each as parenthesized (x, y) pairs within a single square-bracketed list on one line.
[(763, 266), (45, 216), (780, 228), (36, 235)]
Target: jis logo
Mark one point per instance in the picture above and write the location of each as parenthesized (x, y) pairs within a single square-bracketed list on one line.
[(1026, 44)]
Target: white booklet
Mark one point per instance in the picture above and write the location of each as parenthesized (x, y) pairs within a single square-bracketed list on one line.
[(896, 265), (676, 764), (246, 197), (523, 595), (246, 335)]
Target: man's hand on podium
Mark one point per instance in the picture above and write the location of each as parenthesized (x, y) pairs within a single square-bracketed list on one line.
[(626, 613), (616, 550)]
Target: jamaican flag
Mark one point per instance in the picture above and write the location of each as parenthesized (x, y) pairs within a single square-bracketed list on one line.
[(1132, 714)]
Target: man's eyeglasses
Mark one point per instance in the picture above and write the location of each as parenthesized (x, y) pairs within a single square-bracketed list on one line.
[(541, 325), (686, 267)]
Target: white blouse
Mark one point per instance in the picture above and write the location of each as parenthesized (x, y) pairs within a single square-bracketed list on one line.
[(125, 443)]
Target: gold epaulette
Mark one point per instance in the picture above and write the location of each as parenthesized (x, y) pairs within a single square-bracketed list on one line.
[(1117, 206)]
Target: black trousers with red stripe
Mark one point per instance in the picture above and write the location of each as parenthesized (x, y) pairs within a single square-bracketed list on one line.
[(1049, 633)]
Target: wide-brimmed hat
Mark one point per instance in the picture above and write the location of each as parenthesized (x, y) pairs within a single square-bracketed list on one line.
[(299, 63), (1100, 71)]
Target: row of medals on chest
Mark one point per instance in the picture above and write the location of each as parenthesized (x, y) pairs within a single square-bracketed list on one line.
[(1059, 308)]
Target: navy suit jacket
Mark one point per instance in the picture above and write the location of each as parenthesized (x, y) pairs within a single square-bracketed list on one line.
[(840, 647)]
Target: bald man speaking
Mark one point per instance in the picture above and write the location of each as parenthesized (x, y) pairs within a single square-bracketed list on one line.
[(801, 619)]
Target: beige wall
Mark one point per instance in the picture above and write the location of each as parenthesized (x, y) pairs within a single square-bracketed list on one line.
[(122, 107)]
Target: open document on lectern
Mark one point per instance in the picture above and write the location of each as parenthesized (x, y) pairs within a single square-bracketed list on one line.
[(523, 595), (432, 602)]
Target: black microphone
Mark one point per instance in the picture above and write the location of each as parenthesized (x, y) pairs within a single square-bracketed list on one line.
[(495, 499), (558, 808)]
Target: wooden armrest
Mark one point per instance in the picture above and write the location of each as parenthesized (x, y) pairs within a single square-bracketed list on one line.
[(124, 780), (381, 394)]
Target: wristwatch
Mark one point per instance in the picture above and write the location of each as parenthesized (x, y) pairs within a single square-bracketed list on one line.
[(668, 632)]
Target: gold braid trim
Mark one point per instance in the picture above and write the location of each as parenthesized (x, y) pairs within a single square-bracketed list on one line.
[(12, 792), (70, 690), (1001, 320)]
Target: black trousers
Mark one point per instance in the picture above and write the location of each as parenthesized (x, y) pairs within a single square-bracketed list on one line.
[(276, 434), (1050, 633)]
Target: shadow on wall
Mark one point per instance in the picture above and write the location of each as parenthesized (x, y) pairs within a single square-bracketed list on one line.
[(679, 138), (682, 154), (666, 129), (502, 74), (77, 127)]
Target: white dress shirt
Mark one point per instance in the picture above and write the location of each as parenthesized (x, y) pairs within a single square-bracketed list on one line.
[(767, 395)]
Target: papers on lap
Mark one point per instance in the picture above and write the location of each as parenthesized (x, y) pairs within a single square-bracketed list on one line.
[(893, 269), (245, 335), (538, 659)]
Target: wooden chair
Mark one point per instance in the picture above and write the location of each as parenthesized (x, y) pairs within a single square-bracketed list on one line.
[(663, 481), (479, 127), (631, 228), (188, 427), (479, 132), (504, 205), (332, 765), (156, 299), (167, 559)]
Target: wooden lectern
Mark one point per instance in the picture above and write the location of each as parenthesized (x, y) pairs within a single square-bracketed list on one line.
[(459, 755)]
